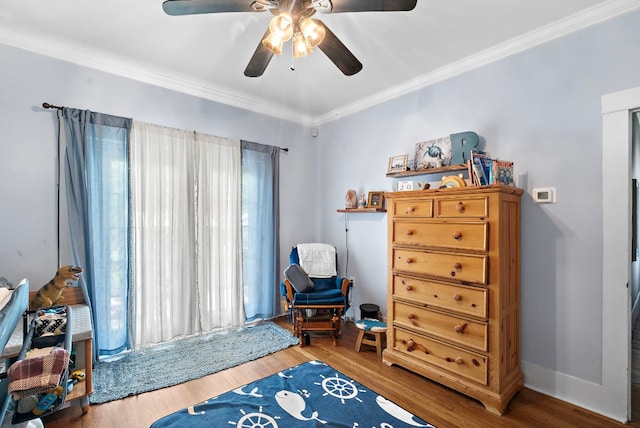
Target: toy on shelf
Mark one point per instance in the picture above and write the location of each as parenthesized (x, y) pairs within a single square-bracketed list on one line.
[(51, 293), (47, 401)]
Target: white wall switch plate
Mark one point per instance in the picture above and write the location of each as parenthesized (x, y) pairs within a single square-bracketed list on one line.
[(544, 195)]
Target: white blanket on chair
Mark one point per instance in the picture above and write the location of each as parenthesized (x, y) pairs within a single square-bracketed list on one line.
[(318, 260)]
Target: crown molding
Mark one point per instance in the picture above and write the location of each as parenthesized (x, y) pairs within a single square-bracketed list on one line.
[(586, 18), (119, 66), (106, 62)]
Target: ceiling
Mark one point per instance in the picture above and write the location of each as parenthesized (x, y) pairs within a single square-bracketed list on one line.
[(205, 55)]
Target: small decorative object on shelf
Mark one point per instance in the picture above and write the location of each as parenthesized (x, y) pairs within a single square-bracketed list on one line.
[(412, 185), (452, 181), (376, 200), (398, 163), (433, 153), (361, 201), (351, 199)]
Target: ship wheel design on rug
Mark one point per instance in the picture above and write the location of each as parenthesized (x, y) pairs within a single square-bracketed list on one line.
[(340, 388), (256, 420)]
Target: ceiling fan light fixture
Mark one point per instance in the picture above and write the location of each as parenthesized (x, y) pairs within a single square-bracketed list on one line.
[(283, 24), (274, 42), (300, 46), (312, 32)]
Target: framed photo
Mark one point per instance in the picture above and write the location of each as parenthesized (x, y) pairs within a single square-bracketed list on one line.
[(433, 153), (398, 163), (376, 200)]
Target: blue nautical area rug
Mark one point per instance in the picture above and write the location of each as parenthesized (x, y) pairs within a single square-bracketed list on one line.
[(312, 394)]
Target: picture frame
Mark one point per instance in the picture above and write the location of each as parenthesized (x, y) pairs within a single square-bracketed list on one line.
[(375, 200), (398, 163), (433, 153)]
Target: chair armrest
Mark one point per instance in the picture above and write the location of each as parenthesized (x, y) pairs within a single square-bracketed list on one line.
[(289, 290), (343, 285)]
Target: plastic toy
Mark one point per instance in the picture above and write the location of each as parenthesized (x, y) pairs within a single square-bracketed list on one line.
[(47, 401), (78, 375)]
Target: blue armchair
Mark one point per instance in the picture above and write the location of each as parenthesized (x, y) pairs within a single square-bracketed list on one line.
[(319, 308)]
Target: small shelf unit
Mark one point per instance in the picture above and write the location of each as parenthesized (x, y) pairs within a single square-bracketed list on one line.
[(425, 171), (362, 210)]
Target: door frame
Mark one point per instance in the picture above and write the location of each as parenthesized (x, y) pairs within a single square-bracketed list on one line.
[(616, 250)]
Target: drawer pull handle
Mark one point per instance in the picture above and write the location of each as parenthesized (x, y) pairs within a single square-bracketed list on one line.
[(410, 210), (457, 236), (409, 288), (460, 207), (409, 232), (411, 345), (459, 361), (460, 328), (457, 265), (409, 260), (413, 319), (457, 297)]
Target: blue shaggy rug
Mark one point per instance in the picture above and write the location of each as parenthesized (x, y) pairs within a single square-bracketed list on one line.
[(182, 360)]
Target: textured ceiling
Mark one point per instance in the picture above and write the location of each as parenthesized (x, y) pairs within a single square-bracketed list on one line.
[(205, 55)]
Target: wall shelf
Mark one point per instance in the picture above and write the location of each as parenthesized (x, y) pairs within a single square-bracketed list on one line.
[(362, 210), (425, 171)]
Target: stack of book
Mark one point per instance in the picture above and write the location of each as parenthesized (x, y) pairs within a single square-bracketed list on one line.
[(484, 171)]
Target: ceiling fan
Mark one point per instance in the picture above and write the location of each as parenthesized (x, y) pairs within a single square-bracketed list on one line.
[(293, 20)]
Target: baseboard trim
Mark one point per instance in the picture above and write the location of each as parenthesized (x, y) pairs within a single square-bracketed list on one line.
[(588, 395)]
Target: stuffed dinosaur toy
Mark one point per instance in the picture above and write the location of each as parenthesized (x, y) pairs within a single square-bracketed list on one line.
[(50, 294)]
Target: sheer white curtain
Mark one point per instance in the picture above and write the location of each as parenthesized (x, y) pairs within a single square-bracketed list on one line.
[(186, 246), (219, 197), (163, 232)]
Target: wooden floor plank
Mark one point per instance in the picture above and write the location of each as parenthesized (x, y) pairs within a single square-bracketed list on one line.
[(432, 402)]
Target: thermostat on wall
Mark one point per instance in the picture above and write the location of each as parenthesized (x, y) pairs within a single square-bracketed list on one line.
[(544, 195)]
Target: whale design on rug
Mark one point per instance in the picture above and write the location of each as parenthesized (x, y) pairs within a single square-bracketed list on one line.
[(294, 404), (253, 393), (398, 412)]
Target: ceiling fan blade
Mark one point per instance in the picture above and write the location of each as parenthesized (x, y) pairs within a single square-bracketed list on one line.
[(260, 59), (193, 7), (338, 53), (340, 6)]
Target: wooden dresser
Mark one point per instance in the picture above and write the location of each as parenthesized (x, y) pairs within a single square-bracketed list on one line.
[(453, 302)]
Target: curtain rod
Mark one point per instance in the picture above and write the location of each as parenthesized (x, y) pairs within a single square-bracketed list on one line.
[(47, 105)]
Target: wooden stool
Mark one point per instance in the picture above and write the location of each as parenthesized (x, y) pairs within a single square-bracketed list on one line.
[(373, 333)]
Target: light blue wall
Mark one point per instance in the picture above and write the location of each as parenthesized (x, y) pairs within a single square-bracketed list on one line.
[(28, 149), (541, 109)]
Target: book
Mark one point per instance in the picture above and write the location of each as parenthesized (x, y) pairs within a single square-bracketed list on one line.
[(503, 172), (480, 161)]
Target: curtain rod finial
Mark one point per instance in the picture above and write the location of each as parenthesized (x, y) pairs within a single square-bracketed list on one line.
[(47, 105)]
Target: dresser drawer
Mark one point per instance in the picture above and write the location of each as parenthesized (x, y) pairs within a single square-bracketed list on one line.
[(463, 299), (461, 267), (463, 207), (419, 208), (457, 361), (468, 333), (462, 236)]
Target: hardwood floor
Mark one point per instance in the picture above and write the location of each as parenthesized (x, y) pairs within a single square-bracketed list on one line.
[(430, 401)]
